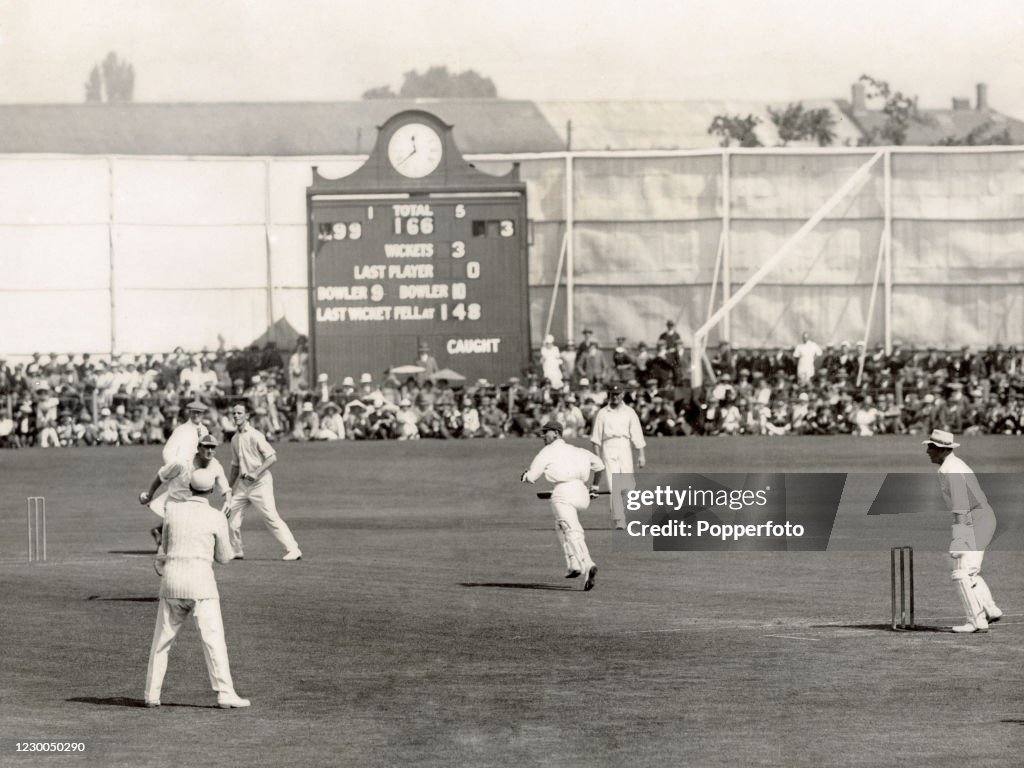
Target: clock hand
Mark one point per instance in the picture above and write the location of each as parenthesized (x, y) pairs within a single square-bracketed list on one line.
[(407, 156)]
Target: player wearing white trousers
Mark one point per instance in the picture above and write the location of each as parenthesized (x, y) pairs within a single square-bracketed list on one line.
[(616, 433), (568, 468), (195, 536), (974, 525), (253, 485)]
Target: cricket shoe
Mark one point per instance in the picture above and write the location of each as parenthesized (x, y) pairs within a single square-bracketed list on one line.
[(295, 554), (573, 573), (591, 578), (969, 628), (231, 701), (994, 616), (151, 704)]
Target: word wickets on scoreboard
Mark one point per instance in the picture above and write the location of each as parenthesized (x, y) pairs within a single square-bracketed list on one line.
[(393, 271)]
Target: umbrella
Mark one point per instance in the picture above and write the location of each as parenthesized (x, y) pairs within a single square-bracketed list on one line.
[(448, 375), (407, 370)]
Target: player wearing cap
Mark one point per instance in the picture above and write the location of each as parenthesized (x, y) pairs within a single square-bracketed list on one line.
[(616, 433), (569, 468), (184, 440), (196, 536), (253, 485), (176, 475), (974, 524)]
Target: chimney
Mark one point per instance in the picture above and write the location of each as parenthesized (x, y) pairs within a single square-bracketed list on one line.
[(982, 97), (960, 104), (858, 98)]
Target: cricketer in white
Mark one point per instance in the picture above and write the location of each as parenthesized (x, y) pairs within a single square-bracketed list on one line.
[(195, 534), (974, 524), (616, 433), (568, 468), (252, 485)]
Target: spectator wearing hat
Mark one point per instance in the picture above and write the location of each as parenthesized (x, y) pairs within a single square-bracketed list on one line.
[(323, 389), (493, 420), (427, 362), (332, 425), (298, 364), (593, 365), (807, 353), (661, 367), (670, 335), (616, 433), (551, 362), (468, 423), (107, 431), (407, 421), (622, 361), (307, 425), (584, 345)]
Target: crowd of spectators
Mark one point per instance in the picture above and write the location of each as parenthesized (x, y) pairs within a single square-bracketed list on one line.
[(64, 400)]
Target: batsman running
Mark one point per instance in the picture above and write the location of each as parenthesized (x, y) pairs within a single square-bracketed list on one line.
[(569, 469), (974, 524)]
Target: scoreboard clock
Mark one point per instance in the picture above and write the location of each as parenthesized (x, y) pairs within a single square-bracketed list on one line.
[(418, 246)]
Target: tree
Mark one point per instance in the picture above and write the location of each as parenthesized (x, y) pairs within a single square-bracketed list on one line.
[(794, 123), (900, 113), (977, 136), (438, 83), (113, 79), (736, 129)]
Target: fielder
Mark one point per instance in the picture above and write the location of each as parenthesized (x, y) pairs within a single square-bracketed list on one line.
[(181, 446), (974, 524), (253, 485), (569, 468), (196, 536), (177, 475), (616, 433)]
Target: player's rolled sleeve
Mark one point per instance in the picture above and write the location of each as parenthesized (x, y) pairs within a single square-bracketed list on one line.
[(170, 471)]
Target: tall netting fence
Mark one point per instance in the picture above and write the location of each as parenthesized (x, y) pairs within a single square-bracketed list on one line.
[(105, 254)]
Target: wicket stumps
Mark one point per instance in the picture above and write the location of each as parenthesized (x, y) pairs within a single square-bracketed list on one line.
[(903, 618), (35, 516)]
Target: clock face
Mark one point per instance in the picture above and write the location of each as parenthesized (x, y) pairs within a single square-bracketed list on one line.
[(415, 150)]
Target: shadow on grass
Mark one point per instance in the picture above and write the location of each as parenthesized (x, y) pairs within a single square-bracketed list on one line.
[(883, 627), (1012, 721), (138, 552), (124, 599), (515, 585), (124, 701)]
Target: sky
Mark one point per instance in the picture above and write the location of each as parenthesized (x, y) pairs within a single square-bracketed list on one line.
[(327, 50)]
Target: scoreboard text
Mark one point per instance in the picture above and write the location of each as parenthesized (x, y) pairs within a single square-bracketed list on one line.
[(391, 271)]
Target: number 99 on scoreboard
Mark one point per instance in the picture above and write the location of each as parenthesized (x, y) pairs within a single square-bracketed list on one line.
[(389, 272)]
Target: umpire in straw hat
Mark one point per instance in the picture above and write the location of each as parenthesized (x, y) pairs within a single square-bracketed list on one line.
[(974, 524)]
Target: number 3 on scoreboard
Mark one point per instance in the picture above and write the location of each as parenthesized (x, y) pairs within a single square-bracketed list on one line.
[(458, 249)]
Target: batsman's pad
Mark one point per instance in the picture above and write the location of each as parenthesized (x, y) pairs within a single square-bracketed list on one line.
[(968, 597)]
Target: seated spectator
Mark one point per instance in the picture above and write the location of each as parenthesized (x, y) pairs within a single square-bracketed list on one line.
[(406, 421), (332, 425)]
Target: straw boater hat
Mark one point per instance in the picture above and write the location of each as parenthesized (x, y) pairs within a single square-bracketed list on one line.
[(940, 438)]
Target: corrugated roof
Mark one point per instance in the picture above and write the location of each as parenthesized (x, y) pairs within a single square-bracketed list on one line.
[(272, 129), (948, 123), (481, 126), (602, 125)]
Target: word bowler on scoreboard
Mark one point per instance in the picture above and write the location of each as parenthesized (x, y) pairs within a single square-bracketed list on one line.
[(402, 253)]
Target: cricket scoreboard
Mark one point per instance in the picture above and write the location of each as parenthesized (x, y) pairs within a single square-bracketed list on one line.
[(418, 246)]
